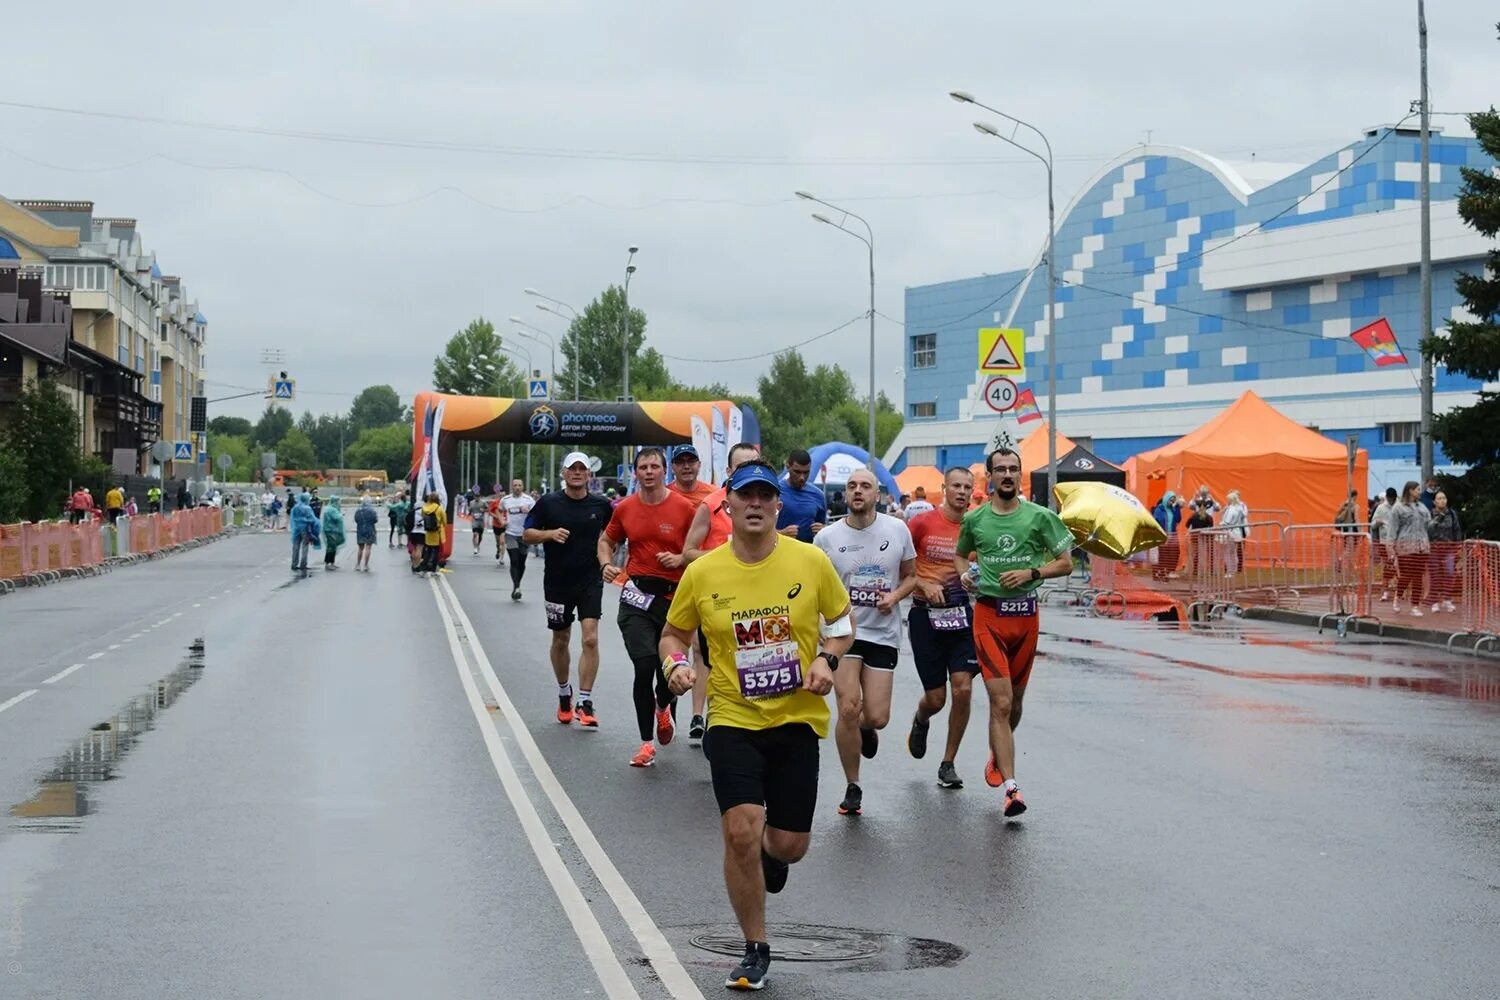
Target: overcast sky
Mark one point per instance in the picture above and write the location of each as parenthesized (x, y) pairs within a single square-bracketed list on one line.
[(680, 127)]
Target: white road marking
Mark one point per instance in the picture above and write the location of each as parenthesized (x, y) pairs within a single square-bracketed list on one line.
[(114, 645), (135, 635), (611, 973), (95, 656), (62, 673), (653, 943), (195, 605), (17, 699)]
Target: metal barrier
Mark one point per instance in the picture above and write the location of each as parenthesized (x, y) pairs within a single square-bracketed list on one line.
[(46, 551)]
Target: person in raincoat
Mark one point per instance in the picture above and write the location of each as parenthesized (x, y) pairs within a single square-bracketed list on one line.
[(333, 531), (431, 520), (365, 521), (1168, 515), (305, 533), (396, 513)]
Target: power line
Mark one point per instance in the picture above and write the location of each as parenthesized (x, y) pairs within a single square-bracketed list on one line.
[(771, 354), (984, 308)]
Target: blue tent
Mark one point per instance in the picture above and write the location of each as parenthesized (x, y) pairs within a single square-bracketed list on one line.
[(823, 452)]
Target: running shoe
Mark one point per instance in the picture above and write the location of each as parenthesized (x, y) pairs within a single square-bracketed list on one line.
[(916, 740), (1436, 607), (585, 715), (750, 974), (992, 774), (1416, 612), (695, 731), (644, 757), (515, 595), (948, 775), (853, 801), (869, 743), (664, 728), (565, 708), (775, 872), (1449, 606), (1014, 804), (1385, 595)]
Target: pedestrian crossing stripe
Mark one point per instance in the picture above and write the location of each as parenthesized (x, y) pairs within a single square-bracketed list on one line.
[(1002, 351)]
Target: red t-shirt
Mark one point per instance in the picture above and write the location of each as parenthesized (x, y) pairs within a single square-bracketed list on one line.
[(719, 523), (935, 538), (701, 491), (650, 529)]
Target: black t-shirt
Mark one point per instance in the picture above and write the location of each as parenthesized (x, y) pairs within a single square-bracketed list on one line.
[(577, 559)]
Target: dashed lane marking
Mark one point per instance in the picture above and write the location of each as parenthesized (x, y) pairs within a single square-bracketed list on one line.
[(17, 699), (95, 656), (62, 673)]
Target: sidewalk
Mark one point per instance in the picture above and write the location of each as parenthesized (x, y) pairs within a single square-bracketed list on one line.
[(1481, 645)]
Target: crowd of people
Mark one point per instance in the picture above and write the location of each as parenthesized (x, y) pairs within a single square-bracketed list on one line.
[(758, 599), (1417, 539)]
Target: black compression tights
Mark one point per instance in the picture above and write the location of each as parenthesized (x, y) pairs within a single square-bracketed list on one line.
[(517, 565), (650, 693)]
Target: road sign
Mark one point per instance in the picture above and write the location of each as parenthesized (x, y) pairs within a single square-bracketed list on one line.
[(1002, 352), (539, 389), (284, 389), (182, 451), (162, 451), (224, 462), (1000, 393)]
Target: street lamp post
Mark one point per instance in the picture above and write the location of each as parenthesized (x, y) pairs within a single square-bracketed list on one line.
[(869, 242), (625, 352), (990, 130), (554, 306), (522, 327), (521, 352)]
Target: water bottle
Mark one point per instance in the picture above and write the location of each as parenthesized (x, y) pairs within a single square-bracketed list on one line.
[(1343, 627), (973, 574)]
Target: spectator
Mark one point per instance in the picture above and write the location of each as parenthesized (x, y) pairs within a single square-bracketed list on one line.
[(333, 531), (130, 508), (184, 497), (305, 533), (413, 534), (838, 507), (1409, 542), (1429, 493), (1447, 535), (1380, 535), (1346, 522), (1201, 539), (434, 519), (79, 505), (268, 506), (153, 500), (365, 521), (114, 503), (1235, 520), (1168, 515), (396, 514), (316, 502), (1204, 501), (275, 513)]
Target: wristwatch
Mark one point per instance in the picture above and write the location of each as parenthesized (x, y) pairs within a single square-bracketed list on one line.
[(830, 659), (1036, 574)]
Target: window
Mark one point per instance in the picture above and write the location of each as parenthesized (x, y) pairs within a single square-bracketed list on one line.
[(924, 350), (1406, 433), (923, 455), (923, 410)]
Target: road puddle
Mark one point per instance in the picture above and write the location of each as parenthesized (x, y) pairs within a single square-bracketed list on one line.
[(859, 950), (62, 797)]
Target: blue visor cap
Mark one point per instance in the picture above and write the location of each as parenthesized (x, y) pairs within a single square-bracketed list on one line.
[(747, 475)]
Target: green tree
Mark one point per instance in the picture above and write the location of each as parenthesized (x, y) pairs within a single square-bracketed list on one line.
[(43, 436), (238, 426), (329, 434), (474, 363), (12, 486), (237, 447), (375, 406), (295, 451), (1468, 433), (387, 448), (272, 427), (597, 333)]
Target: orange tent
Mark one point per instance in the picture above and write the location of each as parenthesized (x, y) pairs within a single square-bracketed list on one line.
[(929, 477), (1275, 463)]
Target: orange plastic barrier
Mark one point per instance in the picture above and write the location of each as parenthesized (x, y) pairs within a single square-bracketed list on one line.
[(1480, 596), (13, 562)]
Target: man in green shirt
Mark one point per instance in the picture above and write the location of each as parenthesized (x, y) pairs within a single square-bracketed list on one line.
[(1017, 545)]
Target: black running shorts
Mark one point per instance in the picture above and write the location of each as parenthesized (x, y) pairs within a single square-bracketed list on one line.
[(874, 654), (776, 768), (939, 654), (641, 629), (582, 598)]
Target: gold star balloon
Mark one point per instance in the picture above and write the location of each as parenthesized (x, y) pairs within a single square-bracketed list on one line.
[(1106, 520)]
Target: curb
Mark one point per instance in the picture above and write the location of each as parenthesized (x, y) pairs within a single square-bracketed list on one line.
[(1468, 642)]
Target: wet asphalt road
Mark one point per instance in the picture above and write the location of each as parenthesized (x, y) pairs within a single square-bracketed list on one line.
[(312, 808)]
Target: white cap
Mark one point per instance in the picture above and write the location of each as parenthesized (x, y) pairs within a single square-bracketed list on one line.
[(574, 457)]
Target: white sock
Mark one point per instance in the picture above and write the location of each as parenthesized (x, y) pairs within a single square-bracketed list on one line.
[(1009, 786), (565, 690), (585, 695)]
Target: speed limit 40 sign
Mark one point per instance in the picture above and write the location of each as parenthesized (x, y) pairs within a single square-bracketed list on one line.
[(1000, 393)]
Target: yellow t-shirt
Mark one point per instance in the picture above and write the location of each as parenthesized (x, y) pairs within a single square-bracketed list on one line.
[(761, 621), (114, 498)]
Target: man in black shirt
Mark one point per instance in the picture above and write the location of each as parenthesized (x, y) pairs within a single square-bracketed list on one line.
[(567, 524)]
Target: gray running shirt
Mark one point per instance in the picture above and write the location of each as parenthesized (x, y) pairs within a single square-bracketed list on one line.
[(869, 562)]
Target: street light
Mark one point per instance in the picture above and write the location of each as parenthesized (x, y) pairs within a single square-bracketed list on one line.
[(869, 242), (964, 97), (554, 306), (625, 333), (552, 344)]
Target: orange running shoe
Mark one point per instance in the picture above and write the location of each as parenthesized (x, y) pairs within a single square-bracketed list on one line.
[(664, 728), (1014, 804), (644, 757), (565, 708), (993, 775), (585, 715)]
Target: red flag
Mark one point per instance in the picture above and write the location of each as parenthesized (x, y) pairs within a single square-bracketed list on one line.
[(1379, 341), (1026, 408)]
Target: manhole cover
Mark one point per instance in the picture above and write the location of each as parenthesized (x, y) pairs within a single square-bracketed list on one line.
[(797, 943)]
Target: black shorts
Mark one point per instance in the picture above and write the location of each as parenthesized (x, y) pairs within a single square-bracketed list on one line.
[(776, 768), (641, 630), (513, 542), (874, 654), (939, 654), (582, 598), (478, 528)]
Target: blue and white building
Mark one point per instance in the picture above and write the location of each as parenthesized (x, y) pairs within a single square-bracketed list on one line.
[(1184, 280)]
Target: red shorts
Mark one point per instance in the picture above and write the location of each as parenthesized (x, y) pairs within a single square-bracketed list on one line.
[(1004, 644)]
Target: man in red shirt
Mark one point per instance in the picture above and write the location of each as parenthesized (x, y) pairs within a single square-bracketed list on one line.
[(654, 520), (685, 466), (940, 625)]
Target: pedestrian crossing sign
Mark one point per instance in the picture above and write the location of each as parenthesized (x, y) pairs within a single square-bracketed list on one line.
[(284, 388), (1002, 352), (182, 451), (539, 389)]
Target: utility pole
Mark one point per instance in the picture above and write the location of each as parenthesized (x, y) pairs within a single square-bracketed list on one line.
[(1426, 267)]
